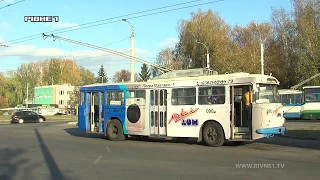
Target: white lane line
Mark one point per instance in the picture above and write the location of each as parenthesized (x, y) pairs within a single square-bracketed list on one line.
[(97, 160), (108, 148)]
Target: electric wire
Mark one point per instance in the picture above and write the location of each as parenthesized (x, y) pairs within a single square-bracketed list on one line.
[(9, 5), (28, 38)]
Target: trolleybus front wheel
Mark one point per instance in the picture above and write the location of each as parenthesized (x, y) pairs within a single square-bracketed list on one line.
[(213, 134), (115, 131)]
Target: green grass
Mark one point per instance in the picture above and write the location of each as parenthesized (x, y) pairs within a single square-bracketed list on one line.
[(4, 118), (312, 132)]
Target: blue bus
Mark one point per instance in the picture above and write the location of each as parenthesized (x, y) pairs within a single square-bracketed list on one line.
[(291, 100)]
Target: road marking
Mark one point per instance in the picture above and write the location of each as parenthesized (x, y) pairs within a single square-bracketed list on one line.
[(97, 160), (108, 148)]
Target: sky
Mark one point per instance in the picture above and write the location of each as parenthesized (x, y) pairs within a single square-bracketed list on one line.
[(153, 32)]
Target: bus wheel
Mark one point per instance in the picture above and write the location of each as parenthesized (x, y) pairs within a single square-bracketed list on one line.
[(212, 134), (115, 131)]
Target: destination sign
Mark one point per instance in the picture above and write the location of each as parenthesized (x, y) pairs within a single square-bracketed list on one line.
[(152, 85), (203, 83)]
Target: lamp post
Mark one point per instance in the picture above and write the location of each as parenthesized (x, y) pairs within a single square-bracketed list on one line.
[(262, 41), (208, 60), (131, 50)]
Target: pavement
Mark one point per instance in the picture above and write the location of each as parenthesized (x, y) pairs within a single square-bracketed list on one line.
[(60, 151), (298, 124)]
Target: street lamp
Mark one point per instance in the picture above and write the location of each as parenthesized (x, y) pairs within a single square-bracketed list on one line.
[(208, 61), (262, 41), (131, 50)]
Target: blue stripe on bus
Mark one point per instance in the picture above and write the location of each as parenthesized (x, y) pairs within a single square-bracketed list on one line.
[(123, 121), (291, 115)]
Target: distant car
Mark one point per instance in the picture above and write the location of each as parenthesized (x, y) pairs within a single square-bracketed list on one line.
[(60, 114), (26, 116)]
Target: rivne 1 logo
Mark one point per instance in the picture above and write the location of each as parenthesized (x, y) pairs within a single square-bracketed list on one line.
[(41, 18), (183, 117)]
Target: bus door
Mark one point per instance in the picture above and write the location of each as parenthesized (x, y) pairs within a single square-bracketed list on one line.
[(158, 112), (240, 113), (94, 111), (81, 112), (90, 124), (101, 103)]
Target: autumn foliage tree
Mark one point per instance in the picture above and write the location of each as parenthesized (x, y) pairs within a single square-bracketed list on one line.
[(290, 39), (122, 75), (13, 84)]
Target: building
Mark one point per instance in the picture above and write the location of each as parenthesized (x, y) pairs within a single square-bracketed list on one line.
[(54, 94)]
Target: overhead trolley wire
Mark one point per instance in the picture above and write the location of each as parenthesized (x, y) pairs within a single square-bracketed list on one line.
[(68, 29), (11, 4)]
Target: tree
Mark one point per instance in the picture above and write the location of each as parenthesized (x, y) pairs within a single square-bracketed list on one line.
[(86, 76), (144, 73), (307, 20), (122, 75), (210, 29), (102, 75), (137, 77), (69, 72), (247, 42), (75, 97), (283, 48)]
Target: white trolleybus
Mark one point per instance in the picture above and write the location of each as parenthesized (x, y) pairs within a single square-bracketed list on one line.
[(310, 108), (185, 104)]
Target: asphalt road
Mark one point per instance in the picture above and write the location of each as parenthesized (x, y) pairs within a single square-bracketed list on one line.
[(59, 151), (298, 124)]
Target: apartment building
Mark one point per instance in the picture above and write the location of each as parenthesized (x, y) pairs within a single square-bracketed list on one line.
[(54, 94)]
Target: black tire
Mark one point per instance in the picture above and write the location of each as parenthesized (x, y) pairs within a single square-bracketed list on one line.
[(212, 134), (114, 131)]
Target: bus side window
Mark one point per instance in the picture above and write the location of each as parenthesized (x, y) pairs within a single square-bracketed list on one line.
[(211, 95), (115, 98), (287, 98), (297, 99), (152, 97), (184, 96), (81, 98), (137, 93)]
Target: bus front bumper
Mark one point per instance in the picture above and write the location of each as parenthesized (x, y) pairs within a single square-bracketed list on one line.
[(270, 132)]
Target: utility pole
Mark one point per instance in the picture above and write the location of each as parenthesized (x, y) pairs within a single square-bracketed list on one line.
[(262, 60), (131, 51), (27, 95), (262, 41)]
